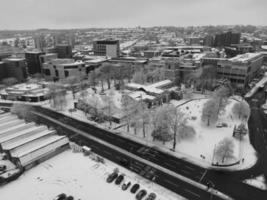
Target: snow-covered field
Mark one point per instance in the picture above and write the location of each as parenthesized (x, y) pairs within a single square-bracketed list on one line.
[(79, 176), (207, 137)]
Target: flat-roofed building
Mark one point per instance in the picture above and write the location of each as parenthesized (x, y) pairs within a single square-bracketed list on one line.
[(109, 48), (33, 61), (31, 92), (241, 68), (63, 50), (16, 67), (59, 69), (26, 155)]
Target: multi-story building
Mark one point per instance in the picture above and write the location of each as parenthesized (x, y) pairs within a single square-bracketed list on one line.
[(109, 48), (16, 67), (208, 40), (63, 50), (57, 69), (3, 73), (47, 57), (39, 42), (227, 39), (241, 68), (33, 61)]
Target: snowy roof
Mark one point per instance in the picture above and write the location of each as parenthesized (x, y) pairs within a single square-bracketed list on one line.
[(11, 136), (244, 57), (138, 95), (34, 145), (11, 123), (161, 83), (14, 144), (11, 128)]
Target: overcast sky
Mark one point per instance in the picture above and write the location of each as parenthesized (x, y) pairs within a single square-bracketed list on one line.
[(33, 14)]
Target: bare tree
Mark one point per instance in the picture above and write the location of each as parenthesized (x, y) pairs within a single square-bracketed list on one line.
[(23, 111), (222, 94), (109, 108), (210, 112), (129, 109), (175, 119), (57, 96), (106, 70), (241, 109), (225, 149), (73, 83)]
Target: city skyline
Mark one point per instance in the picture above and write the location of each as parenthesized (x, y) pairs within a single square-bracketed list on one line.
[(64, 14)]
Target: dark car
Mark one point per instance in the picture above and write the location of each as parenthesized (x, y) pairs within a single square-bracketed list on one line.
[(135, 188), (119, 179), (125, 186), (151, 196), (140, 195), (2, 167), (61, 196), (70, 198), (112, 177)]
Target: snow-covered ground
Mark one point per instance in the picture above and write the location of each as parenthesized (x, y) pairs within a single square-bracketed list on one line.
[(258, 182), (207, 137), (79, 176), (199, 149)]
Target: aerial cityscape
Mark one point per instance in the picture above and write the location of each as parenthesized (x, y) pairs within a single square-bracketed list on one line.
[(145, 100)]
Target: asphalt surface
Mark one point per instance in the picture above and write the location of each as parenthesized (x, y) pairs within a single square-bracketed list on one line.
[(228, 183)]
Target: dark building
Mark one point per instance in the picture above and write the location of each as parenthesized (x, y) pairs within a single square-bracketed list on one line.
[(110, 48), (63, 51), (16, 67), (3, 73), (227, 39), (33, 62), (208, 40)]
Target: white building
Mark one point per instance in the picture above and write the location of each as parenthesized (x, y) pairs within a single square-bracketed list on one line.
[(57, 69)]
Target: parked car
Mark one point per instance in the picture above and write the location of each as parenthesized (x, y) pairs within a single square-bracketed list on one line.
[(125, 186), (112, 176), (140, 195), (2, 167), (61, 196), (119, 179), (151, 196), (70, 198), (135, 188)]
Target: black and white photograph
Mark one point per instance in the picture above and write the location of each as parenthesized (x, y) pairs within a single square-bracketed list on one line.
[(133, 100)]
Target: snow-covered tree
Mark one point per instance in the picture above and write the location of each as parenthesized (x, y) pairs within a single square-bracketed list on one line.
[(186, 132), (210, 112), (241, 109), (161, 124), (225, 149)]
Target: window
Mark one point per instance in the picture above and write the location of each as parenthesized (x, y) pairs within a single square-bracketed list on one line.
[(47, 72), (56, 72), (66, 73)]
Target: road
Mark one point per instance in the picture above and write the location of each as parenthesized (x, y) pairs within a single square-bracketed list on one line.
[(229, 184)]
